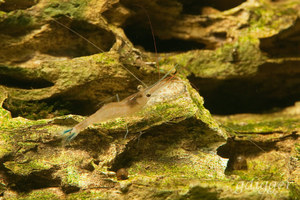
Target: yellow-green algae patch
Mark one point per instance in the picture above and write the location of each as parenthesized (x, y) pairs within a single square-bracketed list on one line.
[(243, 56), (86, 195), (16, 21), (268, 167), (268, 19), (9, 125), (27, 168), (43, 194), (179, 163), (254, 123), (72, 176), (73, 8), (221, 63)]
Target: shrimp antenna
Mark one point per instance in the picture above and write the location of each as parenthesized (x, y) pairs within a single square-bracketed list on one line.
[(153, 36), (79, 35), (163, 77), (144, 84), (101, 50)]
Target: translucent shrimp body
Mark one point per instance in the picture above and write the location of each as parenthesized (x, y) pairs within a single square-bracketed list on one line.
[(124, 108)]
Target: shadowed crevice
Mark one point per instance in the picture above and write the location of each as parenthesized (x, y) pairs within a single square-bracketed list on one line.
[(195, 7), (165, 17), (11, 5), (273, 86), (23, 82), (284, 44), (142, 38)]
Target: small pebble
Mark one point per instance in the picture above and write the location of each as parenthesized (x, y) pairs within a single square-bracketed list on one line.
[(122, 174), (124, 186)]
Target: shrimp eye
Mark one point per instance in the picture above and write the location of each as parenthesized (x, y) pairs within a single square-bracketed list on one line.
[(148, 95), (140, 87)]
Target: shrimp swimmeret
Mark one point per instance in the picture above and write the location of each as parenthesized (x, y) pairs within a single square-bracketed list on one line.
[(124, 108)]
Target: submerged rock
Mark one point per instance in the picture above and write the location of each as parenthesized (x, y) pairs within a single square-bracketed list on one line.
[(174, 127), (242, 55)]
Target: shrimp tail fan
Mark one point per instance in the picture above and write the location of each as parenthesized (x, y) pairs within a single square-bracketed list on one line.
[(69, 135), (66, 131)]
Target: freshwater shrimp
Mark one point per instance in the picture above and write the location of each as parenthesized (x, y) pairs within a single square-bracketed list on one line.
[(124, 108), (127, 106)]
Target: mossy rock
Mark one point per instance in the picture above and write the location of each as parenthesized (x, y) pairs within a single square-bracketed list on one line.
[(47, 70), (34, 148)]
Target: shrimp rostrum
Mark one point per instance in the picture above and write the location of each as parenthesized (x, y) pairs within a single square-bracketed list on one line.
[(124, 108)]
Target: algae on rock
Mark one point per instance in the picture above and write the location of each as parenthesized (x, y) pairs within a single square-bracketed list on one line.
[(246, 51)]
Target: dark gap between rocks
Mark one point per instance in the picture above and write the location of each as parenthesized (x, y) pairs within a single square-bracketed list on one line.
[(11, 5), (142, 38), (163, 16), (17, 25), (24, 83), (195, 7), (137, 27), (284, 44), (234, 96), (38, 180), (274, 86), (47, 108)]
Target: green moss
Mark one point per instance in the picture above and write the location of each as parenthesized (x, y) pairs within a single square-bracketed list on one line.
[(168, 111), (4, 116), (26, 168), (2, 14), (271, 17), (294, 191), (105, 58), (9, 124), (17, 18), (118, 123), (72, 8), (256, 125), (260, 171), (71, 176), (239, 58), (38, 109), (16, 22), (25, 146), (41, 195), (8, 132), (168, 170), (174, 162), (86, 195), (2, 187), (297, 148)]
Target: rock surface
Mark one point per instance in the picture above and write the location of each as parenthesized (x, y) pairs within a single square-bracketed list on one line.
[(59, 59)]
